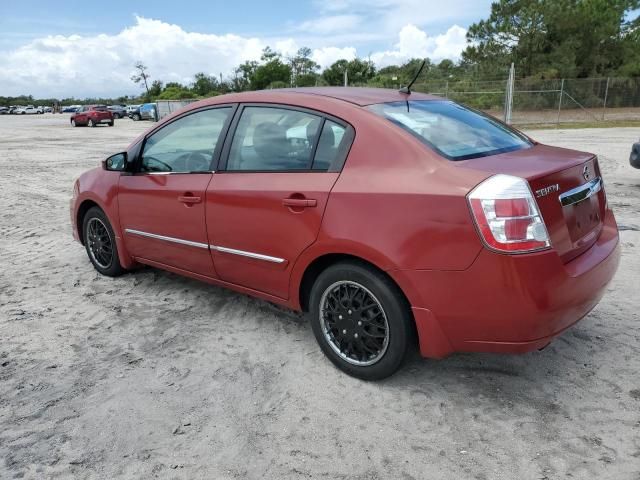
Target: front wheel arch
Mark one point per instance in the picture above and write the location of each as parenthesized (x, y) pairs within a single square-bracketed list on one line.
[(82, 211)]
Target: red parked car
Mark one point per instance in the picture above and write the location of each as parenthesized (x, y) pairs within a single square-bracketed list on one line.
[(91, 116), (391, 218)]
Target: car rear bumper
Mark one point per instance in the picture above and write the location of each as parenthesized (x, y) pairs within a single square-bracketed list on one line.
[(508, 303)]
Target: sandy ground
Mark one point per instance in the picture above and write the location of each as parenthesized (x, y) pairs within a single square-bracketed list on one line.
[(155, 376)]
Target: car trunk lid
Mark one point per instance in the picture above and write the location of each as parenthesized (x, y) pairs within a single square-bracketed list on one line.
[(567, 187)]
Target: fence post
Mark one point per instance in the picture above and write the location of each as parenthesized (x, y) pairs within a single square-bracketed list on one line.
[(508, 101), (560, 102), (446, 90), (606, 94)]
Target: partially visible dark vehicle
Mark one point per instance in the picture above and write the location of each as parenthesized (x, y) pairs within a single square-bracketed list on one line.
[(634, 159), (4, 110), (134, 113), (69, 109), (92, 115), (117, 110)]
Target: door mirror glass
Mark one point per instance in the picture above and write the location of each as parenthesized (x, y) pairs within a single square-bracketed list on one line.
[(116, 163)]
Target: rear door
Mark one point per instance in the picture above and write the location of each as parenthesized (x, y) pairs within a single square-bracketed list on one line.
[(162, 205), (265, 205)]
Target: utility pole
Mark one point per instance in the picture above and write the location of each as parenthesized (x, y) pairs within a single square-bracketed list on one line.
[(346, 79)]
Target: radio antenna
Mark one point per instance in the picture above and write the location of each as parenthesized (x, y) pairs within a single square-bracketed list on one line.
[(407, 89)]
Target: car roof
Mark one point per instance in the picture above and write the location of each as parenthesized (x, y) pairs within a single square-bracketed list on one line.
[(362, 96), (354, 95)]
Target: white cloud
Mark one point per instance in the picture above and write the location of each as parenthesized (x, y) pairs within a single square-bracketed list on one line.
[(101, 65), (328, 55), (415, 43)]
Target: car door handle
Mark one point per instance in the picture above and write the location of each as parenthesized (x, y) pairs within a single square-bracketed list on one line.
[(299, 202), (189, 199)]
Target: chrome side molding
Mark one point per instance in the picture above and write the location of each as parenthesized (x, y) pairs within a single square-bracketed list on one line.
[(166, 239), (578, 194), (233, 251), (242, 253)]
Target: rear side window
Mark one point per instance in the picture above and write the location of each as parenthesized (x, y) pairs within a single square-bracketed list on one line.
[(329, 145), (273, 139), (454, 131)]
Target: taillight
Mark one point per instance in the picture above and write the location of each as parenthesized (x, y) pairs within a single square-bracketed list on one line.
[(507, 216)]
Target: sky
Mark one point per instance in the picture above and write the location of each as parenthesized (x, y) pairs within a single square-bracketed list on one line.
[(88, 48)]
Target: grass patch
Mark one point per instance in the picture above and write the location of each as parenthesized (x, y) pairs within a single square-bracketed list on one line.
[(575, 125)]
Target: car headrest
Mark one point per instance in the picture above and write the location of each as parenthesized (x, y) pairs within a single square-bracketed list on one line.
[(270, 140)]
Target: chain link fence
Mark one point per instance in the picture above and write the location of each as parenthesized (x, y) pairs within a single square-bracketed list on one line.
[(547, 102)]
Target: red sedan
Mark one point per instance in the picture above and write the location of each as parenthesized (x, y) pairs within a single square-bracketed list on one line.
[(91, 116), (392, 218)]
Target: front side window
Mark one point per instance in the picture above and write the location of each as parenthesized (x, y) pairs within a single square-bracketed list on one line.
[(456, 132), (185, 145), (273, 139)]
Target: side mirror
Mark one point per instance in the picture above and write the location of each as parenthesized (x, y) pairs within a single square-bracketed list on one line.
[(115, 163)]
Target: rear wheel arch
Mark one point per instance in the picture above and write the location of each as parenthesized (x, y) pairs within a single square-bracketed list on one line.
[(321, 263)]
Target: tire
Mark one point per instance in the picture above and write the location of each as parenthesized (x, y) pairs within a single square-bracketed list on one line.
[(364, 355), (111, 123), (91, 123), (136, 117), (100, 244), (73, 123)]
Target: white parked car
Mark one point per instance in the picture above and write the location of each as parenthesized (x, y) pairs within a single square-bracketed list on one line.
[(29, 109)]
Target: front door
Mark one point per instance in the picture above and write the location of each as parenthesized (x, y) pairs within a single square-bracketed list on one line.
[(162, 205), (266, 205)]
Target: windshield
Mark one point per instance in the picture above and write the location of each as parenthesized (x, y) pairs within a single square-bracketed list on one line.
[(456, 132)]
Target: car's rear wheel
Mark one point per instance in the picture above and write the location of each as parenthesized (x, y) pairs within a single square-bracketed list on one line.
[(91, 123), (136, 117), (99, 241), (361, 320)]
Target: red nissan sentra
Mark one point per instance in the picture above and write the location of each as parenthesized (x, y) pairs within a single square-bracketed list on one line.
[(391, 218)]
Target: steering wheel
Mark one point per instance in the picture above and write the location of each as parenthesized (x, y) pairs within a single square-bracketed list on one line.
[(165, 166), (192, 162)]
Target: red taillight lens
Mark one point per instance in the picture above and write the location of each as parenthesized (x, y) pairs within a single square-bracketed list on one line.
[(507, 215)]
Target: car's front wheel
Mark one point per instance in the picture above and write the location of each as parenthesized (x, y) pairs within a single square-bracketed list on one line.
[(136, 117), (361, 320), (73, 123), (91, 123), (99, 241)]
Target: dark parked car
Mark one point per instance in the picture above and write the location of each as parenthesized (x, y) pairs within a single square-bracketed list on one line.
[(69, 109), (385, 215), (4, 110), (634, 159), (91, 116), (118, 111)]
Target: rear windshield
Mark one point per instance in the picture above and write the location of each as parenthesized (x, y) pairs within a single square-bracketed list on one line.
[(456, 132)]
